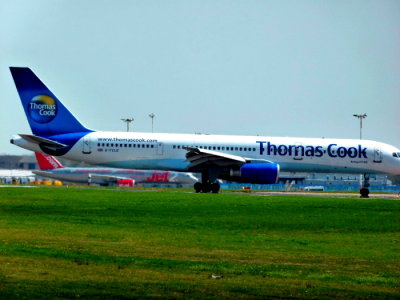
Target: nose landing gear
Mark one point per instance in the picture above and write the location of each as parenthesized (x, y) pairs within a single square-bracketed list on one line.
[(207, 187), (364, 191)]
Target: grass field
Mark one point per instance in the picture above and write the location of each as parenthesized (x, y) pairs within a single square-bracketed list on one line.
[(99, 243)]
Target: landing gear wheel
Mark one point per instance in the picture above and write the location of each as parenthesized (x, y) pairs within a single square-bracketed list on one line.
[(206, 187), (215, 187), (364, 193), (198, 187)]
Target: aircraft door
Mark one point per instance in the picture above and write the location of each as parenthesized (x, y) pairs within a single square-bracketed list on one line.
[(377, 154), (160, 148), (87, 147)]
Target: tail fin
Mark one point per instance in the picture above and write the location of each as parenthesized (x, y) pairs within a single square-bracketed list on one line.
[(46, 114), (47, 162)]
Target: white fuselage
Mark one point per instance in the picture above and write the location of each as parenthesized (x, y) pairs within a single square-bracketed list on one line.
[(163, 151)]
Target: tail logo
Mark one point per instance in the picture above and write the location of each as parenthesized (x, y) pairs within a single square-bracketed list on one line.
[(42, 108)]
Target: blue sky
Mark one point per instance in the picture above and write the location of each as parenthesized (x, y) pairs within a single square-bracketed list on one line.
[(274, 68)]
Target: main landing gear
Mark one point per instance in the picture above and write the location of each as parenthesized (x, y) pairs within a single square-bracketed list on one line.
[(208, 184), (207, 187), (364, 191)]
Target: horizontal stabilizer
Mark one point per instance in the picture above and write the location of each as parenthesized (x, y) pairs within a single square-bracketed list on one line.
[(42, 141)]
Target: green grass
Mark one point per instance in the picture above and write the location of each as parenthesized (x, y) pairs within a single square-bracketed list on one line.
[(102, 243)]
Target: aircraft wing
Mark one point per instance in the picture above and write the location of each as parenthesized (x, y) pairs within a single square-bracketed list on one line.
[(200, 158), (106, 178)]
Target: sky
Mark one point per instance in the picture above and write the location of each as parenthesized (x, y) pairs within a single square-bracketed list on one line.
[(271, 68)]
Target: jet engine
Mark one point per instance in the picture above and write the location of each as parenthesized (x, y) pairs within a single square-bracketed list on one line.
[(263, 173)]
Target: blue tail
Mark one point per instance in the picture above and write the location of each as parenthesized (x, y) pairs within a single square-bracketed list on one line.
[(46, 114)]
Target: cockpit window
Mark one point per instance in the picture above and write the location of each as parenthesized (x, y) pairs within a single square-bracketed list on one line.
[(396, 154)]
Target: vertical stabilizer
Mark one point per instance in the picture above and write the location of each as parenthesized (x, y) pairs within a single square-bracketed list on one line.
[(45, 112), (47, 162)]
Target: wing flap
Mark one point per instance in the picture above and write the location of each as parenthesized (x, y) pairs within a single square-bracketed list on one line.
[(202, 157)]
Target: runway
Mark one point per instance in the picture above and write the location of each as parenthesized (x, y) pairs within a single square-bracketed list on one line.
[(390, 196)]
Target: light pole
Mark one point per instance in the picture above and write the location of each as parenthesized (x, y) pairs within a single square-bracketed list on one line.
[(128, 122), (152, 121), (364, 184), (361, 117)]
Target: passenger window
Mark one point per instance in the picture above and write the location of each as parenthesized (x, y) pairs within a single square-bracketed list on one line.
[(223, 148), (179, 147), (219, 148), (152, 146)]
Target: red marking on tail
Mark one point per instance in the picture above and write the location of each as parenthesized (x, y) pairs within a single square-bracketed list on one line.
[(47, 162)]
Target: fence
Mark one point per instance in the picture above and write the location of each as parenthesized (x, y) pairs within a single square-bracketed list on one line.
[(301, 187)]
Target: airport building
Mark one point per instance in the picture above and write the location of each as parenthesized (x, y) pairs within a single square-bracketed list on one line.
[(320, 182), (21, 162), (330, 179)]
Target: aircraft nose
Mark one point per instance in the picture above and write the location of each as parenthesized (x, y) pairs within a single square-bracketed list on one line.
[(12, 141)]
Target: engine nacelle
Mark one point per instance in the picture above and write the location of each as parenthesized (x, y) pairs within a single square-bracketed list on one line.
[(264, 173)]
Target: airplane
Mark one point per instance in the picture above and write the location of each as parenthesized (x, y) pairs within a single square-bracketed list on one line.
[(50, 167), (249, 159)]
